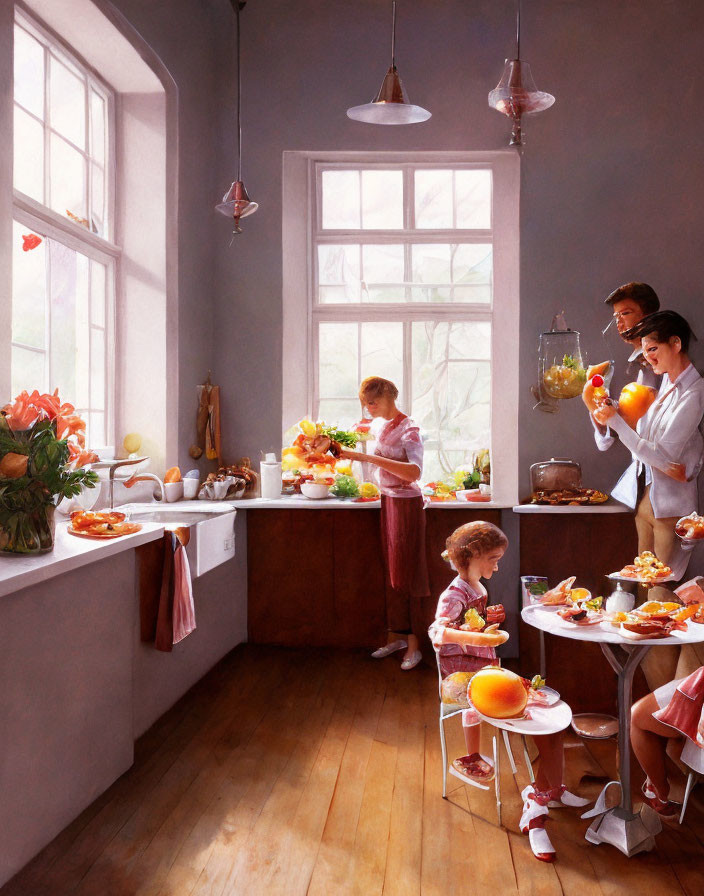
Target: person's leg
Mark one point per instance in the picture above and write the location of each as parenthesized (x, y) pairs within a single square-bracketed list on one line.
[(649, 741), (644, 524), (658, 665), (690, 659), (472, 735), (665, 541), (552, 763)]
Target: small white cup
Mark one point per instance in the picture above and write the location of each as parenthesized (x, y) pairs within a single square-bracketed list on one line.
[(484, 489), (190, 488), (173, 491)]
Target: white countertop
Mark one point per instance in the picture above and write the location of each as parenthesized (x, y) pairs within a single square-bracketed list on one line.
[(300, 502), (70, 552), (608, 507)]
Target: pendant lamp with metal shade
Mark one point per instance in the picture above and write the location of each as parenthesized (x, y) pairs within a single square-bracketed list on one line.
[(236, 202), (516, 94), (390, 105)]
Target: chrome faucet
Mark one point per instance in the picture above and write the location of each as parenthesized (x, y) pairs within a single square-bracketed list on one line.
[(141, 478), (114, 465)]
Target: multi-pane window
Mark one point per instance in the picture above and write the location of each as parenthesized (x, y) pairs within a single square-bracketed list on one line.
[(63, 260), (403, 287)]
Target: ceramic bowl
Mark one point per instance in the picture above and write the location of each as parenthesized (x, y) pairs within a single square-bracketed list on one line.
[(190, 488), (315, 490), (173, 491)]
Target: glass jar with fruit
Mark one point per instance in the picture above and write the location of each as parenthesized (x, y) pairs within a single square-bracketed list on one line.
[(562, 370)]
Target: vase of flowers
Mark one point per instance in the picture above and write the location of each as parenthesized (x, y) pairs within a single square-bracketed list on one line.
[(42, 459)]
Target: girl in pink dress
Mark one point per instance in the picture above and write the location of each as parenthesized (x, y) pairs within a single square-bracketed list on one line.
[(397, 462), (474, 550)]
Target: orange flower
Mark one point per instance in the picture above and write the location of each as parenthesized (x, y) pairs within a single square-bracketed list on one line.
[(21, 414), (27, 409), (78, 457), (70, 425)]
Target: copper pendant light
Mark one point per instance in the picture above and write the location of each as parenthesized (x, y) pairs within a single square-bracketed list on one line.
[(516, 94), (236, 202), (390, 105)]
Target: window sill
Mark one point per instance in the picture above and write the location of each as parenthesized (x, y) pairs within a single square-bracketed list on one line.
[(70, 552)]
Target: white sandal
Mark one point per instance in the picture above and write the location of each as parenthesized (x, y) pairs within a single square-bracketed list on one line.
[(412, 660), (538, 837), (540, 843), (389, 649), (531, 809), (569, 799)]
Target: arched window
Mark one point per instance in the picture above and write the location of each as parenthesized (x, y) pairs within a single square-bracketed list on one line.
[(88, 219)]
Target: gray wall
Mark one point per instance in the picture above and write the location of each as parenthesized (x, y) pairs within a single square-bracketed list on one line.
[(609, 176), (188, 37)]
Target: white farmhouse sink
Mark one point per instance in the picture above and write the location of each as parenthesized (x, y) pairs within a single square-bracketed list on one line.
[(211, 525)]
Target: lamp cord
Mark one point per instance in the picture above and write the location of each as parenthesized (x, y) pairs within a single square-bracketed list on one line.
[(239, 97), (393, 34), (518, 31)]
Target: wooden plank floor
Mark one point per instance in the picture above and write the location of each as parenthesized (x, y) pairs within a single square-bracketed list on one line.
[(313, 771)]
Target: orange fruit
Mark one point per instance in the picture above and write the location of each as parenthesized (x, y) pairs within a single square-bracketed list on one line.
[(13, 465), (498, 693), (634, 401), (173, 474)]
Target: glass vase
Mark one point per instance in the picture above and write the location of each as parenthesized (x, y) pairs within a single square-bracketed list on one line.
[(27, 531)]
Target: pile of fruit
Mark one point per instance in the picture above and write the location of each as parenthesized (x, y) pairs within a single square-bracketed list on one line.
[(565, 380)]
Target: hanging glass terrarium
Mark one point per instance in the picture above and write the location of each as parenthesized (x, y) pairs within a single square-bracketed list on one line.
[(561, 364)]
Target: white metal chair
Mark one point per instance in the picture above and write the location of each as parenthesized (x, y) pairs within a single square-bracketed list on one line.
[(693, 758), (447, 710)]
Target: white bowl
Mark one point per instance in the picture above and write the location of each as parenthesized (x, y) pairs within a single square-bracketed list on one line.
[(190, 488), (315, 490), (173, 491), (466, 494)]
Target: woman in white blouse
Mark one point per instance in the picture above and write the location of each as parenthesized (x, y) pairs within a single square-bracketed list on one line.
[(668, 448)]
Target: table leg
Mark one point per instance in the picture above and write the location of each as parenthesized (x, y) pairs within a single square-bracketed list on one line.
[(619, 826)]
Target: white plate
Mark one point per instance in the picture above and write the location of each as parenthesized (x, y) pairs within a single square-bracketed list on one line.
[(551, 694), (619, 578)]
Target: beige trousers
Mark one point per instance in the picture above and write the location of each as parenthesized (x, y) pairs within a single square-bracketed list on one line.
[(661, 664)]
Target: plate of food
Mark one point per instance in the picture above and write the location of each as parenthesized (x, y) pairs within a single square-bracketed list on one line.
[(646, 569), (567, 496), (108, 524), (585, 612), (562, 595), (690, 529)]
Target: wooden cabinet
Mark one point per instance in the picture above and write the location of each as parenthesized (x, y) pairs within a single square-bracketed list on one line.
[(316, 577)]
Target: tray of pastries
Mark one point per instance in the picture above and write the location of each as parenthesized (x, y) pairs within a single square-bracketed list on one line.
[(566, 496)]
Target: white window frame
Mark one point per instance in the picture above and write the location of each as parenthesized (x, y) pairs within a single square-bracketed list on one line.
[(45, 221), (301, 312)]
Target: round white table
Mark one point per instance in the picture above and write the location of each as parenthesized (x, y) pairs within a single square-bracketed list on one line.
[(618, 826)]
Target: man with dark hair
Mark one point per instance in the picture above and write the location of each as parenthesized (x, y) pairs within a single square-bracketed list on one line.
[(630, 303)]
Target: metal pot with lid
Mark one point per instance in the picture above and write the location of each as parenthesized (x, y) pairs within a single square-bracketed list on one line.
[(556, 473)]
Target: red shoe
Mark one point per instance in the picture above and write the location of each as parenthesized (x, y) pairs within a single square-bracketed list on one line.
[(664, 808)]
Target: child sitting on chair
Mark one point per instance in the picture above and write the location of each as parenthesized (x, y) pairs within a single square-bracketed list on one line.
[(474, 551)]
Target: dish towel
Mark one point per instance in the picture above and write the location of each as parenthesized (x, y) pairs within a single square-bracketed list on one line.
[(166, 610), (184, 613)]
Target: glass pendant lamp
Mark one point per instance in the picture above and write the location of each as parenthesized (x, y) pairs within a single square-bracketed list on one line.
[(236, 203), (516, 94), (390, 105)]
